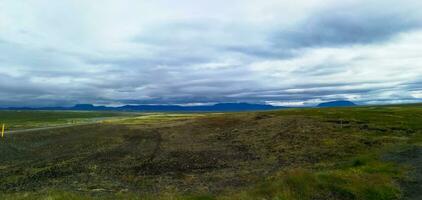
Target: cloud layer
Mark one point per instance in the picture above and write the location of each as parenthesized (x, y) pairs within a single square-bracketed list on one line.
[(189, 52)]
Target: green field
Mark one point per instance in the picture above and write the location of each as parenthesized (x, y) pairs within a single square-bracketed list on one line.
[(15, 120), (333, 153)]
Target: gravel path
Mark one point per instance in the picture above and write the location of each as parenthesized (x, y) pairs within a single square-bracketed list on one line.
[(412, 157), (92, 121)]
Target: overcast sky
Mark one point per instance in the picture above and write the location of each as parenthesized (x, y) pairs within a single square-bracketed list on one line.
[(280, 52)]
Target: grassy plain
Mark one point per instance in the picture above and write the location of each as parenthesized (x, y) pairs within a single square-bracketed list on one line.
[(16, 120), (333, 153)]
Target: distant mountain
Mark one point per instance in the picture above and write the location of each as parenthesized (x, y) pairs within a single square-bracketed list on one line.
[(220, 107), (336, 104)]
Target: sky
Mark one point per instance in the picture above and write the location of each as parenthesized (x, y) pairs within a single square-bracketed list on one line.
[(194, 52)]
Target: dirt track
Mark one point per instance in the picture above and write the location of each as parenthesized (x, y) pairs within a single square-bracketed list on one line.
[(46, 128), (413, 158), (93, 121)]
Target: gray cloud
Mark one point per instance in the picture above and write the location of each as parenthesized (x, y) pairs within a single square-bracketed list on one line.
[(275, 51), (351, 23)]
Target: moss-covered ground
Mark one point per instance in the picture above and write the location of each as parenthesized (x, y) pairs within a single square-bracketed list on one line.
[(333, 153)]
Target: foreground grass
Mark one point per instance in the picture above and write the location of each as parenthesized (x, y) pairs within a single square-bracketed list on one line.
[(341, 153), (374, 180)]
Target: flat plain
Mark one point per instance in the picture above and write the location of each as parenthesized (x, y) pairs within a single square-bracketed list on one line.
[(372, 152)]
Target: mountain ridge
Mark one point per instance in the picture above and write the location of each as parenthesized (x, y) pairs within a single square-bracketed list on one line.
[(219, 107), (162, 108)]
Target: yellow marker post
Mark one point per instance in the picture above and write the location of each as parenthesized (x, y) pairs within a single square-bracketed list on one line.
[(2, 131)]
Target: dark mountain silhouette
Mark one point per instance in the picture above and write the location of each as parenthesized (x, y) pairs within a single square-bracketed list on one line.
[(337, 104), (220, 107)]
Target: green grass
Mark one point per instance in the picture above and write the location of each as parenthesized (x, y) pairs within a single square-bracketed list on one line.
[(361, 178), (333, 153), (159, 118), (31, 119)]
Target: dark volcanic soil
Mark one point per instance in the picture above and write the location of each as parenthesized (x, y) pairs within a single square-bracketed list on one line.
[(411, 156)]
